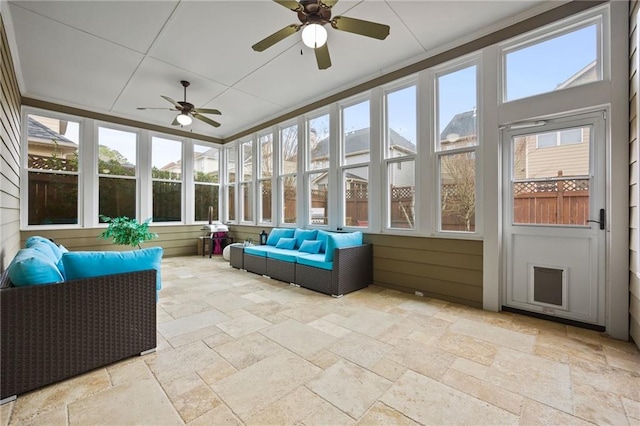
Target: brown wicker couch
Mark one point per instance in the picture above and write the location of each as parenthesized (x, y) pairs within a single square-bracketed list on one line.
[(53, 332)]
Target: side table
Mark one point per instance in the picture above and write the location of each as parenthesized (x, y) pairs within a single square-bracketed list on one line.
[(236, 255)]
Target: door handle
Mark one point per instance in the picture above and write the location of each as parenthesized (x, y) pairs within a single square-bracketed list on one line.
[(601, 222)]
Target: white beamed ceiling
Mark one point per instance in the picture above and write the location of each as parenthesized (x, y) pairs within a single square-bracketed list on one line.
[(113, 56)]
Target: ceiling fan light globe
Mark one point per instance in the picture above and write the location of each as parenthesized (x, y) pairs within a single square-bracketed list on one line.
[(314, 36), (184, 119)]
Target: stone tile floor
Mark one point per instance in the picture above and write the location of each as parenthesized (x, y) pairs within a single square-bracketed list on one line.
[(238, 348)]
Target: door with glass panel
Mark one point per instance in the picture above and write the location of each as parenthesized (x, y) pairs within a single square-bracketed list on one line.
[(555, 218)]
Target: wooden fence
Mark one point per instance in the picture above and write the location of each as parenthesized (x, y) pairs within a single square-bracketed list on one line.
[(554, 201)]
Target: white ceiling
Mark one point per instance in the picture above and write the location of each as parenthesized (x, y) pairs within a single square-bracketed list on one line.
[(113, 56)]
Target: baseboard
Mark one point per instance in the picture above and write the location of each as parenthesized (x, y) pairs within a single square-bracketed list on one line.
[(555, 319)]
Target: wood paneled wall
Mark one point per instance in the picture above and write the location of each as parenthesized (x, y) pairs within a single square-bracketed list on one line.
[(9, 154), (634, 220)]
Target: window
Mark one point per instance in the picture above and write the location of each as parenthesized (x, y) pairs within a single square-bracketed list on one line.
[(356, 155), (562, 137), (117, 173), (246, 184), (166, 174), (456, 146), (231, 181), (318, 148), (265, 173), (206, 179), (52, 163), (400, 142), (288, 174), (563, 59)]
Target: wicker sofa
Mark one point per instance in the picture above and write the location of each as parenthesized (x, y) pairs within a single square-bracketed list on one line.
[(65, 313), (346, 269)]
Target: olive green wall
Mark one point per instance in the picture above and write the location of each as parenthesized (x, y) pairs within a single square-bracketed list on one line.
[(9, 154)]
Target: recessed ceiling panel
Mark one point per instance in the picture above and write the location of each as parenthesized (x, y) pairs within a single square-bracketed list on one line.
[(133, 24), (61, 64)]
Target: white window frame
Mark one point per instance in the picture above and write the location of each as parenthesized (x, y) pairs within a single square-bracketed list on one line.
[(260, 180), (191, 201), (182, 181), (281, 175), (234, 150), (242, 182)]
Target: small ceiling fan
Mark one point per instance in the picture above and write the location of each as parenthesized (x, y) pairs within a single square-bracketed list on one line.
[(313, 15), (187, 110)]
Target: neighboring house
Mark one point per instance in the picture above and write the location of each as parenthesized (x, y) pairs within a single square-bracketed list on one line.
[(45, 139)]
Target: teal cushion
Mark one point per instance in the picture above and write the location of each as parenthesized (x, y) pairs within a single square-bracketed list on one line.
[(322, 237), (260, 251), (277, 233), (303, 235), (33, 267), (311, 246), (87, 264), (56, 250), (337, 240), (285, 255), (286, 243), (315, 260)]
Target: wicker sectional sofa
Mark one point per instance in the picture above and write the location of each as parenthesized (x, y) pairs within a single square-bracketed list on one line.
[(341, 265), (65, 313)]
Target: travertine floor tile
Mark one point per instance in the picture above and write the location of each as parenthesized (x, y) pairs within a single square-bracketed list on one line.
[(471, 368), (5, 412), (254, 388), (126, 372), (329, 327), (241, 326), (248, 350), (191, 323), (468, 347), (370, 322), (221, 415), (194, 336), (170, 365), (632, 408), (360, 349), (191, 396), (299, 338), (381, 414), (180, 310), (425, 359), (546, 381), (496, 335), (349, 387), (130, 403), (430, 402), (536, 414)]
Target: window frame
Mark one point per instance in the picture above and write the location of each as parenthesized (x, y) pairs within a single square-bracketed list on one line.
[(309, 171), (242, 182), (281, 175), (260, 179), (182, 181), (194, 183)]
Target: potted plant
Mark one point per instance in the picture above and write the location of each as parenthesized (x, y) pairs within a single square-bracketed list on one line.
[(128, 232)]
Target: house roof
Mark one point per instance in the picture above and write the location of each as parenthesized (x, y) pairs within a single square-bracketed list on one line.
[(462, 124), (358, 141), (40, 131)]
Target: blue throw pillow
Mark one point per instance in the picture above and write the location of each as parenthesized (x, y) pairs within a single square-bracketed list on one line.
[(87, 264), (277, 233), (33, 267), (56, 249), (286, 243), (304, 234), (311, 246), (337, 240)]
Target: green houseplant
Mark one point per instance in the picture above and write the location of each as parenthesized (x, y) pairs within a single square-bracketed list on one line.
[(128, 232)]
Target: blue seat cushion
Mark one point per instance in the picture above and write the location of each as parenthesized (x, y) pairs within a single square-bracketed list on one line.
[(286, 243), (315, 260), (277, 233), (32, 267), (337, 240), (311, 246), (285, 255), (88, 264), (304, 234), (260, 251)]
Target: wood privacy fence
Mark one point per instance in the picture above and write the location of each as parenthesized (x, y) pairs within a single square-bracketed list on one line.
[(553, 201)]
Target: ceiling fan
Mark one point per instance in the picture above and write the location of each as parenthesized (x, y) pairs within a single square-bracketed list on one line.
[(187, 110), (313, 15)]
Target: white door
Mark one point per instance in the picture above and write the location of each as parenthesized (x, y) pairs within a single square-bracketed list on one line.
[(554, 217)]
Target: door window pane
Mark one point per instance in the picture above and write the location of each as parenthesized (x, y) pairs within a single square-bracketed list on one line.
[(457, 102), (356, 196), (568, 60), (551, 182), (319, 200), (401, 122), (458, 192), (318, 139), (401, 207), (355, 133)]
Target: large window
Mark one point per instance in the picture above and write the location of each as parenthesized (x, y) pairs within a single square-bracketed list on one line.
[(117, 172), (400, 157), (52, 163), (356, 156), (456, 145), (317, 169), (206, 182), (265, 173), (246, 181), (166, 174), (288, 174), (231, 157), (553, 61)]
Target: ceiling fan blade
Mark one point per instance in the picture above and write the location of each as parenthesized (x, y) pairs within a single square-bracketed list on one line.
[(206, 111), (175, 122), (177, 105), (146, 108), (329, 3), (206, 120), (275, 37), (289, 4), (322, 57), (358, 26)]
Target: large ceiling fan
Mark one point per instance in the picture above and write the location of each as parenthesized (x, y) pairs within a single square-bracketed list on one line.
[(313, 15), (187, 110)]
